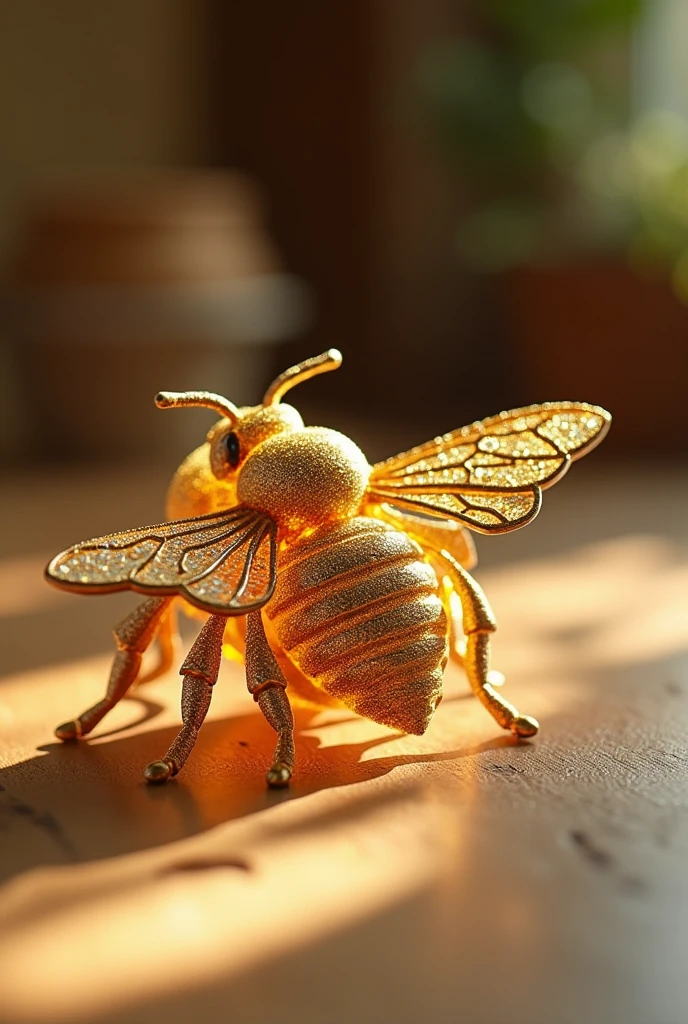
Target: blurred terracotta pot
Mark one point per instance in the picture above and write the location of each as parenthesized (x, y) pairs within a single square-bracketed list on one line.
[(169, 282), (600, 333)]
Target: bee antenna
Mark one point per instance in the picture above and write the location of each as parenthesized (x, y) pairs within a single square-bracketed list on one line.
[(326, 361), (206, 399)]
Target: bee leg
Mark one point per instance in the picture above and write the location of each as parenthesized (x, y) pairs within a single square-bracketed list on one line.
[(133, 635), (268, 686), (457, 637), (167, 642), (477, 669), (200, 671), (478, 623)]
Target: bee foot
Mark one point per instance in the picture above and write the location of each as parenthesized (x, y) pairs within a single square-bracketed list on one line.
[(159, 772), (69, 732), (278, 776), (524, 726)]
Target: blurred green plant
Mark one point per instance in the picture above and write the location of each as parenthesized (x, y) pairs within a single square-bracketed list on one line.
[(533, 111), (643, 173)]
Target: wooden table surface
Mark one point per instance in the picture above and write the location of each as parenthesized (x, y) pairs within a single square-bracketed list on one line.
[(453, 877)]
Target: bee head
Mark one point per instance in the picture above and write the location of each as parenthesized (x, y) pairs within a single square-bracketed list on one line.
[(242, 430)]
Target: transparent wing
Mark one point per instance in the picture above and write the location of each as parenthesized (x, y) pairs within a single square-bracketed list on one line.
[(223, 562), (489, 475)]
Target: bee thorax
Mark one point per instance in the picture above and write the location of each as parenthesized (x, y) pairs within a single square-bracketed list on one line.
[(305, 478)]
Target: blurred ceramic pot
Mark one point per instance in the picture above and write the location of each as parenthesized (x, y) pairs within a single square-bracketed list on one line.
[(119, 291)]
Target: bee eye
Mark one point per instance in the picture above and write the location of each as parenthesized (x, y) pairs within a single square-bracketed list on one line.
[(232, 450)]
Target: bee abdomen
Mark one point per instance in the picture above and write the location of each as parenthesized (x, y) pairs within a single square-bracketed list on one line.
[(357, 610)]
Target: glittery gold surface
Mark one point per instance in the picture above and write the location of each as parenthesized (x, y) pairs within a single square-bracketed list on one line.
[(219, 561), (430, 532), (358, 569), (268, 686), (305, 478), (200, 670), (195, 490), (132, 636), (488, 475), (357, 610), (324, 363), (483, 511), (572, 428), (255, 425)]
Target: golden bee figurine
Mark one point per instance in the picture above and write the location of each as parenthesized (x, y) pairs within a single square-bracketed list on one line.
[(335, 579)]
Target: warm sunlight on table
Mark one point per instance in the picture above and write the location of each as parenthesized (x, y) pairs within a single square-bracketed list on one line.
[(453, 877)]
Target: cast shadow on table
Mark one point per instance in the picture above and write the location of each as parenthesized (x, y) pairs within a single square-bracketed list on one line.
[(224, 779)]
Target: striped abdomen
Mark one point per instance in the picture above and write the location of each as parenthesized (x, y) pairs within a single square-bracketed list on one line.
[(357, 610)]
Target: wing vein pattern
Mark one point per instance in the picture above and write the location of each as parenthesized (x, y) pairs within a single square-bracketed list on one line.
[(223, 562), (490, 475)]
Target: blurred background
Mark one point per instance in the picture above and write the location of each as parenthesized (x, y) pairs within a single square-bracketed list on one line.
[(483, 203)]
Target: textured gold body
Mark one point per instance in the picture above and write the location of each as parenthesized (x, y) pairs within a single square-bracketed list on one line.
[(334, 579), (358, 611)]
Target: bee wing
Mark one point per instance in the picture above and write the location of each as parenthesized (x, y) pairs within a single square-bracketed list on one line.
[(482, 511), (489, 475), (222, 563)]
